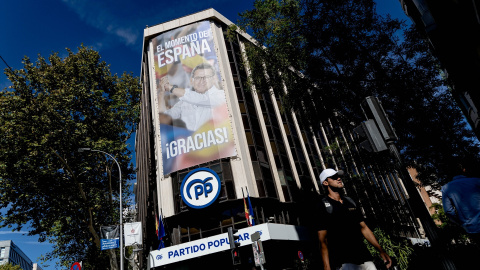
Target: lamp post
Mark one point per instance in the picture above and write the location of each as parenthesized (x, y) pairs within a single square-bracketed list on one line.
[(121, 212)]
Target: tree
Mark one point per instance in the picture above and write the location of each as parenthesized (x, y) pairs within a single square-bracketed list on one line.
[(9, 266), (449, 230), (53, 108), (331, 54), (399, 251)]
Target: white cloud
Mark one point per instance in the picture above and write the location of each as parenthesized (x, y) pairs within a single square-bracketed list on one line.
[(126, 19), (127, 35), (14, 232), (37, 243), (104, 16)]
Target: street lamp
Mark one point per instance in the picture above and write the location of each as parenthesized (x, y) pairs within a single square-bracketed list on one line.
[(81, 150)]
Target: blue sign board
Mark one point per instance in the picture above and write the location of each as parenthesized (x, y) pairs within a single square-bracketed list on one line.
[(109, 243)]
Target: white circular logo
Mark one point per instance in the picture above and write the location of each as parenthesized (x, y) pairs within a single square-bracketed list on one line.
[(200, 188)]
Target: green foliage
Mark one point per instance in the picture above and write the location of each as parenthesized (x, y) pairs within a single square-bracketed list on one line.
[(54, 107), (440, 215), (345, 52), (9, 266), (275, 26), (400, 252), (231, 32), (448, 230)]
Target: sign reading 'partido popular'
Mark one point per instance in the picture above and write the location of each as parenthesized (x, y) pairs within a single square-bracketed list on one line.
[(220, 243), (192, 109), (200, 188)]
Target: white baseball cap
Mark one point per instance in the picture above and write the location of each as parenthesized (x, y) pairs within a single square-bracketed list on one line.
[(327, 173)]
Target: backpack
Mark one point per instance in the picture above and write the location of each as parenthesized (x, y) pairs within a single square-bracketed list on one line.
[(329, 207)]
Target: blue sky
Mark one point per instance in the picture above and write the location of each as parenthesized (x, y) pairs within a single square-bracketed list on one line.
[(114, 28)]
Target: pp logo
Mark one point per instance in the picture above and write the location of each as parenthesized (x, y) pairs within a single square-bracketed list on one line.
[(200, 188), (159, 257)]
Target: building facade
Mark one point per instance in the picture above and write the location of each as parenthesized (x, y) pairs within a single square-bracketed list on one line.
[(453, 31), (430, 194), (198, 163), (11, 253)]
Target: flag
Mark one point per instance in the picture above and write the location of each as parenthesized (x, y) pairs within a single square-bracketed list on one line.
[(247, 213), (160, 230), (250, 209)]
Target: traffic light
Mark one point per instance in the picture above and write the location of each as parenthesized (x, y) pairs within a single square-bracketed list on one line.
[(236, 257), (232, 237), (374, 141), (234, 244)]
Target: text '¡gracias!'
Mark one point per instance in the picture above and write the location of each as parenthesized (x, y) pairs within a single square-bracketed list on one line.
[(186, 46), (197, 142), (201, 247)]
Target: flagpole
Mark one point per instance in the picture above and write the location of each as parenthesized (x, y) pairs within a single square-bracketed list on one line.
[(161, 231), (250, 208), (164, 226)]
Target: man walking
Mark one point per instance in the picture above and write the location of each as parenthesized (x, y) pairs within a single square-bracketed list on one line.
[(341, 229)]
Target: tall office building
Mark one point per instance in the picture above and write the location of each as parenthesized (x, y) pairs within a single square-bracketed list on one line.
[(11, 253), (204, 143), (453, 31)]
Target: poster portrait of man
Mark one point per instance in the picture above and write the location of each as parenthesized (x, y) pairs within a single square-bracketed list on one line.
[(194, 121)]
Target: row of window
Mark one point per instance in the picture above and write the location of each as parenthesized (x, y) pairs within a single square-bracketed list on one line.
[(14, 258), (333, 150), (328, 146)]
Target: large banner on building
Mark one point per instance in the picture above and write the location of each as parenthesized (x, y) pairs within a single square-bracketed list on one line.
[(194, 122)]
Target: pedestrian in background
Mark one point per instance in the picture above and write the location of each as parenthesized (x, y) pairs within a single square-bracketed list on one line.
[(461, 199), (341, 229)]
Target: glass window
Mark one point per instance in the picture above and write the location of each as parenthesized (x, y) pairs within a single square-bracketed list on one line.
[(253, 153), (258, 138), (238, 90), (257, 171), (230, 54), (227, 171), (217, 168), (261, 189), (223, 193), (246, 125), (254, 122), (233, 68), (274, 148), (249, 136), (262, 156), (281, 149), (265, 118), (242, 107), (282, 177), (277, 161), (230, 189)]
